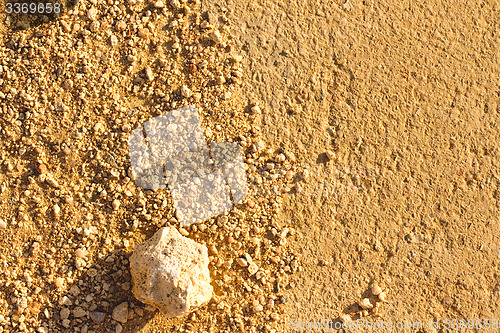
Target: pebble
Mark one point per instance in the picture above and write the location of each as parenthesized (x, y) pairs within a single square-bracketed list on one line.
[(345, 318), (42, 168), (159, 4), (280, 158), (242, 262), (376, 290), (143, 33), (259, 145), (120, 25), (56, 209), (113, 40), (97, 317), (382, 296), (94, 26), (120, 312), (330, 155), (79, 253), (91, 13), (255, 109), (64, 313), (59, 282), (118, 328), (365, 304), (258, 308), (253, 268), (79, 312), (185, 91), (215, 36), (3, 225), (116, 204)]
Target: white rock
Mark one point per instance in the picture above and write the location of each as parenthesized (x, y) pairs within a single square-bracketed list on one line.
[(3, 225), (170, 272)]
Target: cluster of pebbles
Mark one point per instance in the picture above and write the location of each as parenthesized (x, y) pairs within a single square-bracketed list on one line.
[(368, 306), (71, 91)]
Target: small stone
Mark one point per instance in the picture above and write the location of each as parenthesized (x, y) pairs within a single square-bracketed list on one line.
[(376, 290), (345, 318), (116, 204), (74, 290), (365, 304), (149, 73), (382, 296), (79, 253), (255, 109), (42, 168), (113, 40), (330, 155), (66, 323), (120, 25), (242, 262), (79, 312), (118, 328), (68, 84), (259, 145), (94, 26), (57, 209), (253, 268), (215, 36), (274, 316), (183, 232), (92, 272), (280, 158), (237, 58), (159, 4), (258, 308), (185, 91), (143, 33), (305, 174), (97, 317), (3, 225), (175, 3), (285, 299), (92, 13), (64, 313), (324, 263), (59, 282), (120, 312), (131, 58)]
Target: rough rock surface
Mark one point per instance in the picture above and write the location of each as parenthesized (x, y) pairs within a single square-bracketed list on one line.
[(170, 272)]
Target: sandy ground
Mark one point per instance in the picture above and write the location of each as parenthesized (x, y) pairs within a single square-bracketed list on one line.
[(406, 94), (391, 107)]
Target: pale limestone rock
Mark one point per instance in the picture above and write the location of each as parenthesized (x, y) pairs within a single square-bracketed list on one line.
[(170, 272)]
